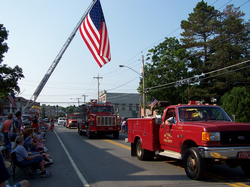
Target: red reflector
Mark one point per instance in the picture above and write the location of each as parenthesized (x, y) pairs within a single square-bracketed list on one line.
[(192, 102)]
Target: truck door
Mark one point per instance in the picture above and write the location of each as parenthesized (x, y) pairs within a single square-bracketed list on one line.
[(168, 129)]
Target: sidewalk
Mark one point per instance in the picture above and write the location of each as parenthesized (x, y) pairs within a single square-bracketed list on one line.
[(62, 171)]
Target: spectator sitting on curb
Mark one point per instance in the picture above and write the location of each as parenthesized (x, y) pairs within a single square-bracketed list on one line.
[(24, 159)]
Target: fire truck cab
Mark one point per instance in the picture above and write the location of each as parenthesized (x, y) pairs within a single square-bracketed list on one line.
[(98, 118)]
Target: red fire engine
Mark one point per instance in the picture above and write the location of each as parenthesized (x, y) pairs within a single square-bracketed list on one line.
[(200, 135), (98, 118), (71, 120)]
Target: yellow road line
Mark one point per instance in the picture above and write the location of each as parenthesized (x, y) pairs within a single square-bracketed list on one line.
[(241, 184), (118, 144), (237, 185)]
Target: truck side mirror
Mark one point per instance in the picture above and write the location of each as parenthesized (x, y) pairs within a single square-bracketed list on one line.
[(158, 119)]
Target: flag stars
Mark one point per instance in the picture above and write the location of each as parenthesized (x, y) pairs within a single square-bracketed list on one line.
[(97, 15)]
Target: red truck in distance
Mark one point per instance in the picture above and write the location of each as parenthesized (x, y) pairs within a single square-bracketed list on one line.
[(71, 121), (98, 118), (200, 135)]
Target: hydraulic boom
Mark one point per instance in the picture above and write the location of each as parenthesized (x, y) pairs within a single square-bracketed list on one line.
[(57, 59)]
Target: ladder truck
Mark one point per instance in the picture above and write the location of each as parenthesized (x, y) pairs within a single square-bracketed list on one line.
[(56, 61)]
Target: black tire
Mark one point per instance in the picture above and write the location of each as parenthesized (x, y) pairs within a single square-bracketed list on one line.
[(89, 134), (246, 169), (143, 154), (79, 131), (116, 134), (195, 166)]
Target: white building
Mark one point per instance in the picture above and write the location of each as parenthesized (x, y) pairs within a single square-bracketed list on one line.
[(125, 104)]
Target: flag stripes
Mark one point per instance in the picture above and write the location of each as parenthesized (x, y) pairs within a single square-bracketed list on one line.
[(12, 100), (96, 40)]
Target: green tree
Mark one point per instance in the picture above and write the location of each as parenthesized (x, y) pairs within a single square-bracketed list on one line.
[(70, 109), (237, 102), (231, 46), (43, 115), (167, 65), (199, 32), (8, 76), (217, 40)]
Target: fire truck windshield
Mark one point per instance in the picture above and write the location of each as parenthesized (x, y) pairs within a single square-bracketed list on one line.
[(106, 109), (202, 113)]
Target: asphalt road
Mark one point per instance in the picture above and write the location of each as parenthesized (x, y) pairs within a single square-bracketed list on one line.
[(105, 162)]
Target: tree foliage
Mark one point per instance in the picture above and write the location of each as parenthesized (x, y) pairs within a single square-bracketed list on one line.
[(237, 102), (167, 66), (199, 66), (8, 76), (217, 39)]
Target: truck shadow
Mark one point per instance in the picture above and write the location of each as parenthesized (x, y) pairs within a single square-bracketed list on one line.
[(216, 173)]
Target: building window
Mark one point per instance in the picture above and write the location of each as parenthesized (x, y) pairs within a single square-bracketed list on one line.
[(123, 107), (137, 107), (130, 107), (116, 107)]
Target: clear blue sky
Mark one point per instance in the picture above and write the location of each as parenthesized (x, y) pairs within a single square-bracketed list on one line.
[(39, 29)]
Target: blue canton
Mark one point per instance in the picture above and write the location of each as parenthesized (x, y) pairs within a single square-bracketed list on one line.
[(97, 15)]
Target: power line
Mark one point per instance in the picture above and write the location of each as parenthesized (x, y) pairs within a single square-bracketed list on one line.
[(195, 77)]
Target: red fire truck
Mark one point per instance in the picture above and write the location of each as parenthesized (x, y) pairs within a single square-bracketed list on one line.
[(98, 118), (200, 135), (71, 120)]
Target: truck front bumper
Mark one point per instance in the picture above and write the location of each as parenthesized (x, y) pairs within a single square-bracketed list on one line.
[(223, 152)]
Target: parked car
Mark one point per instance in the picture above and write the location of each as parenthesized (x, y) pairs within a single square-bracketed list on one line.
[(46, 120), (61, 121)]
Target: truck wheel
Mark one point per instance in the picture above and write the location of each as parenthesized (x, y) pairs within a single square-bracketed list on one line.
[(195, 166), (143, 154), (116, 135), (246, 169), (89, 134), (79, 131)]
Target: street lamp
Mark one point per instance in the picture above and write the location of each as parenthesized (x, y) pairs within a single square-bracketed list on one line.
[(143, 82)]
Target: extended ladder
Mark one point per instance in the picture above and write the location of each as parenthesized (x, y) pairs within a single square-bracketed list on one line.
[(57, 59)]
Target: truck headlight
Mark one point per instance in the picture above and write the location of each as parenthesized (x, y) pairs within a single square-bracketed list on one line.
[(210, 136)]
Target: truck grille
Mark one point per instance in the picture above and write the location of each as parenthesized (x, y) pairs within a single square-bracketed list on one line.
[(105, 121), (235, 137)]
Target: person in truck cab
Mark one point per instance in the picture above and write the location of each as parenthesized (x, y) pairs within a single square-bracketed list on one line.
[(170, 117)]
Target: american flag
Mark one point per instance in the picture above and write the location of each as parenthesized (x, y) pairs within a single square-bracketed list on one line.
[(153, 103), (11, 98), (95, 34)]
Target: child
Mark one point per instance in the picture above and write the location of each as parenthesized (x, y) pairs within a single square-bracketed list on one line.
[(52, 124)]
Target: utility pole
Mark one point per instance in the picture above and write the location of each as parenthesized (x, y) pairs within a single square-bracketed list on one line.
[(98, 85), (84, 96), (78, 99), (143, 89)]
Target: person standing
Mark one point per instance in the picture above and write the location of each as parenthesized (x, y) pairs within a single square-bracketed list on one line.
[(123, 125), (35, 124), (5, 130), (18, 122), (1, 134), (52, 125)]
